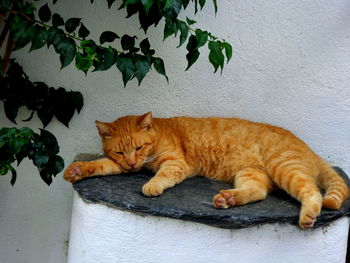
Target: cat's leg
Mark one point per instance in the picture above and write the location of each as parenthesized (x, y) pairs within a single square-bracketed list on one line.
[(171, 172), (250, 185), (294, 169), (302, 187), (79, 170)]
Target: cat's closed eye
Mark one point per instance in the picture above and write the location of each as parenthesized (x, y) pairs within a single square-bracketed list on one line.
[(120, 153), (139, 148)]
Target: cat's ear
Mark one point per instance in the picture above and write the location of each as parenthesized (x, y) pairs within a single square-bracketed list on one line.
[(104, 129), (145, 121)]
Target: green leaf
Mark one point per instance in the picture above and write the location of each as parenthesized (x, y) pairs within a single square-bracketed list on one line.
[(216, 57), (83, 31), (201, 3), (54, 36), (19, 5), (29, 10), (126, 66), (28, 132), (89, 46), (11, 132), (192, 43), (14, 176), (169, 28), (202, 37), (108, 36), (50, 142), (56, 164), (193, 52), (65, 109), (3, 136), (110, 3), (155, 14), (192, 58), (57, 20), (215, 6), (11, 110), (128, 42), (17, 23), (77, 100), (168, 4), (147, 4), (184, 31), (21, 155), (40, 159), (142, 67), (83, 62), (146, 49), (172, 9), (4, 168), (228, 50), (106, 59), (159, 67), (71, 24), (130, 2), (190, 21), (145, 46), (46, 113), (46, 176), (45, 13), (23, 36), (185, 3), (41, 37), (16, 143), (67, 50)]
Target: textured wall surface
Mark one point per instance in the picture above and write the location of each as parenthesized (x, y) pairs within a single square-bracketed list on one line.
[(290, 67), (125, 237)]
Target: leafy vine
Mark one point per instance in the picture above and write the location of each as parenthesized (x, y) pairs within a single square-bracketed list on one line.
[(69, 38)]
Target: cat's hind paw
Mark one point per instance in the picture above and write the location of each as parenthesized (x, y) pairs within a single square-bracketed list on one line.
[(224, 200), (307, 218), (307, 221)]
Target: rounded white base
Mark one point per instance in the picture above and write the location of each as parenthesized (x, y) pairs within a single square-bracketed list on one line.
[(106, 235)]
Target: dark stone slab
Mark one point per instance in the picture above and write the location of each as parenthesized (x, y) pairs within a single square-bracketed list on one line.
[(192, 200)]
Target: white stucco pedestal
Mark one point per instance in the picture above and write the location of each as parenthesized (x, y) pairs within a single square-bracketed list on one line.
[(109, 235)]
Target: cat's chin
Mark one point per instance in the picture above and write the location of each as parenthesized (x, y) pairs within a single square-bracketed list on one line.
[(133, 170)]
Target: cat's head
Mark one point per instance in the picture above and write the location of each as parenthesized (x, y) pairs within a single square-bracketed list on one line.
[(128, 140)]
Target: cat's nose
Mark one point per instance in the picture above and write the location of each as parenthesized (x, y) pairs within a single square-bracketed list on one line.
[(132, 164)]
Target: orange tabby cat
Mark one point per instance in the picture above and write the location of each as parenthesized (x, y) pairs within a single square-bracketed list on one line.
[(254, 157)]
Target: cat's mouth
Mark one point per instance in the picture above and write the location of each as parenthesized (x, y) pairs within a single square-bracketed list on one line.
[(132, 169), (136, 169)]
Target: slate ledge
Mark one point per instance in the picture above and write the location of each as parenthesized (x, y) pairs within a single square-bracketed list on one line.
[(192, 201)]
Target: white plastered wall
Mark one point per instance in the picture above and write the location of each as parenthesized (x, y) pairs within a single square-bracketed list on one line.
[(128, 237), (290, 67)]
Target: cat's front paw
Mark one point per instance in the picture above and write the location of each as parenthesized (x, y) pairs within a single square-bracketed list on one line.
[(77, 171), (152, 189)]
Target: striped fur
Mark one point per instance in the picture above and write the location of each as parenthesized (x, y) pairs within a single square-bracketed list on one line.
[(254, 157)]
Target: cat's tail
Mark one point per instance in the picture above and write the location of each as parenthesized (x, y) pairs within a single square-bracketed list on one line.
[(336, 190)]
